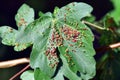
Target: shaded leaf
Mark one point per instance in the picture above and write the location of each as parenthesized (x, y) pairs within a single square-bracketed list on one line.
[(111, 34), (109, 22), (109, 66), (116, 12)]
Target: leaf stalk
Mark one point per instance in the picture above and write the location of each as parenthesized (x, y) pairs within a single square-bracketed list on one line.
[(93, 25)]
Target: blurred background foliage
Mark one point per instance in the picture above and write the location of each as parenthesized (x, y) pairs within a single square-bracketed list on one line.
[(8, 9)]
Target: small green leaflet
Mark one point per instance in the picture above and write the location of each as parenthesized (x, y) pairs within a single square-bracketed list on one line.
[(28, 75), (58, 38), (39, 75)]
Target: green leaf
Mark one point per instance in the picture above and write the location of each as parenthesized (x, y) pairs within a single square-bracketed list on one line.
[(27, 75), (77, 39), (61, 30), (34, 29), (80, 62), (109, 22), (74, 10), (111, 28), (116, 12), (59, 76), (40, 13), (24, 16), (68, 68), (39, 75), (44, 54), (11, 36), (91, 18), (56, 10), (8, 35)]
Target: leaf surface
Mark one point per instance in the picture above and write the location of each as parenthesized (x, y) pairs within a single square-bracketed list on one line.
[(11, 36), (74, 10), (8, 35), (27, 75), (24, 16), (39, 75)]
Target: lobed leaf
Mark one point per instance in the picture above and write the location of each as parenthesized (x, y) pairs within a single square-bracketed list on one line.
[(79, 52), (57, 39), (8, 35), (74, 10), (11, 36), (24, 16)]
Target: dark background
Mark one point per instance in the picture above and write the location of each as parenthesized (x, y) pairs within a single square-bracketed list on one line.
[(8, 9)]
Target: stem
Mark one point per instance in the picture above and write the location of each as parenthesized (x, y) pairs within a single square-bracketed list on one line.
[(13, 77), (11, 63), (111, 46), (93, 25), (116, 45)]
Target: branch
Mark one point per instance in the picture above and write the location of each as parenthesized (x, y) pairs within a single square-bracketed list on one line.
[(11, 63), (105, 48), (116, 45)]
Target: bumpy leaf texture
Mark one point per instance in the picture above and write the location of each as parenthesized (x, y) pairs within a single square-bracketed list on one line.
[(61, 44), (11, 36)]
